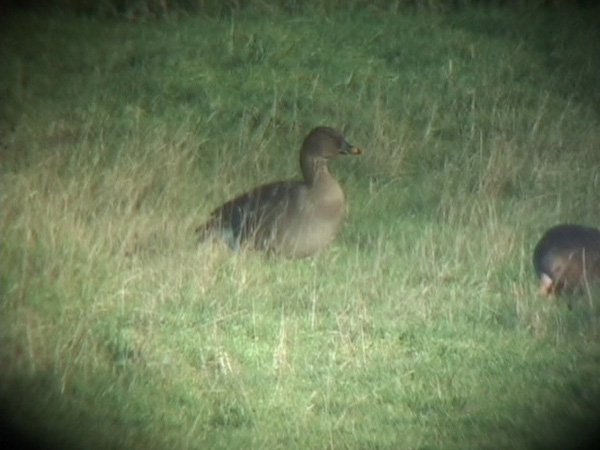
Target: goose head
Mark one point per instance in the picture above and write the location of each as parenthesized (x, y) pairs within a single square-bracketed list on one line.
[(321, 145)]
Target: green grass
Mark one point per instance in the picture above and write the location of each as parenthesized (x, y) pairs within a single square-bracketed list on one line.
[(419, 328)]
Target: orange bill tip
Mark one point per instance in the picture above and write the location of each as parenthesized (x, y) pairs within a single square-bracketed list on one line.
[(546, 285)]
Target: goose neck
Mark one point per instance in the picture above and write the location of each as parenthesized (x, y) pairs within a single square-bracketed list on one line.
[(315, 171)]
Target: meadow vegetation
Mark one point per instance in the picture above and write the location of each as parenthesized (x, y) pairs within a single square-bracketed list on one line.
[(419, 328)]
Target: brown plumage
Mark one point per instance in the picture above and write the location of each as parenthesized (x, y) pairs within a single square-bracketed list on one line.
[(292, 218), (567, 258)]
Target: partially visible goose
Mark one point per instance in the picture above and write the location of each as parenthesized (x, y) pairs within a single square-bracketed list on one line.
[(292, 218), (566, 258)]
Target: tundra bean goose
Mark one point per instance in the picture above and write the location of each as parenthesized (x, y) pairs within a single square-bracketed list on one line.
[(292, 218), (566, 258)]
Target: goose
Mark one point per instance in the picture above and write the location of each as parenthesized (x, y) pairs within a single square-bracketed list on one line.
[(295, 219), (566, 258)]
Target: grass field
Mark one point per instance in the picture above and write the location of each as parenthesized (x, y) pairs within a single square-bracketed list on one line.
[(419, 328)]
